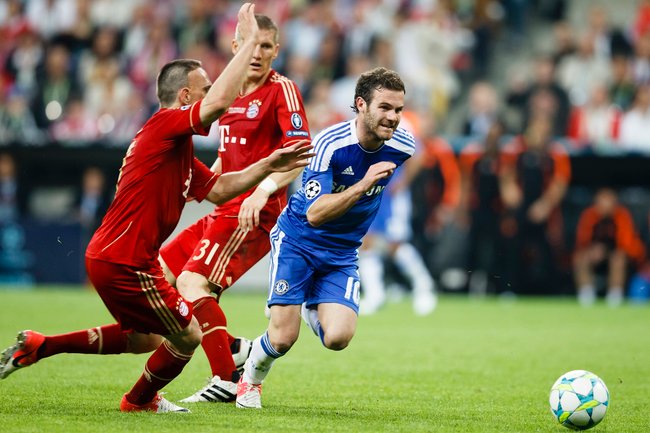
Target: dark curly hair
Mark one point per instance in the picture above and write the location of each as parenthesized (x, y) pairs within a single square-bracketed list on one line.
[(376, 79)]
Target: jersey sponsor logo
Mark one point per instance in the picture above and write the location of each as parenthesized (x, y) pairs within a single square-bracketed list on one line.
[(183, 309), (296, 121), (312, 189), (348, 171), (253, 109), (297, 134), (185, 107), (377, 189), (281, 287)]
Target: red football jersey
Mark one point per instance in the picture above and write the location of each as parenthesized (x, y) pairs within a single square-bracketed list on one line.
[(257, 124), (158, 173)]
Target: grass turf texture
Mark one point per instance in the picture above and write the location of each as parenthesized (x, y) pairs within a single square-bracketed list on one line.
[(472, 366)]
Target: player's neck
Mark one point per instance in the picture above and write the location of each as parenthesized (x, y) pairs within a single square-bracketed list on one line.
[(367, 140), (250, 86)]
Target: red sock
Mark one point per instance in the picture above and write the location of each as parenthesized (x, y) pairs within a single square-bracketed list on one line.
[(216, 343), (161, 368), (104, 340)]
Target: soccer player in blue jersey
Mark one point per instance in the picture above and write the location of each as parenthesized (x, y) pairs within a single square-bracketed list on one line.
[(314, 243)]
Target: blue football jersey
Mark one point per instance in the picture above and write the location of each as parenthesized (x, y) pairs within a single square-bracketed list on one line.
[(339, 163)]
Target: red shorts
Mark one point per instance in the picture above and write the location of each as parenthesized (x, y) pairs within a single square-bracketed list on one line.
[(178, 251), (141, 300), (222, 253)]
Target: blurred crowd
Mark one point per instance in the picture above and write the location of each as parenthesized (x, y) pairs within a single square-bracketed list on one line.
[(75, 72)]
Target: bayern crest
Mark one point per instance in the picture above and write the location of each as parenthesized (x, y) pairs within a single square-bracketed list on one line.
[(253, 109)]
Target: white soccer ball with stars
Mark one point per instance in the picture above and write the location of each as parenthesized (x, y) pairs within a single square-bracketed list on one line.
[(579, 399)]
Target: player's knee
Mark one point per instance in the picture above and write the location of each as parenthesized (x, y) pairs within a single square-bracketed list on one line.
[(143, 343), (337, 339), (282, 342), (192, 285)]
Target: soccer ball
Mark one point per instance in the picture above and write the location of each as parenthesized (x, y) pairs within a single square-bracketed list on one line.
[(579, 399)]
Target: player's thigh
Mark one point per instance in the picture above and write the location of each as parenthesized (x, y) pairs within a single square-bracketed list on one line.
[(141, 300), (225, 252), (291, 272), (337, 319), (178, 250)]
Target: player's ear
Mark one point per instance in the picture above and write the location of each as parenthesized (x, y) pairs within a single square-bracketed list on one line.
[(234, 46), (276, 52), (184, 95), (360, 103)]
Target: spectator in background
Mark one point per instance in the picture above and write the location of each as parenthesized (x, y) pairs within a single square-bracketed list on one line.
[(77, 126), (621, 86), (483, 109), (24, 60), (17, 124), (56, 87), (481, 208), (436, 191), (11, 199), (641, 60), (608, 41), (159, 49), (606, 240), (544, 96), (534, 177), (595, 124), (343, 87), (49, 17), (196, 27), (581, 71), (563, 41), (319, 109), (635, 133)]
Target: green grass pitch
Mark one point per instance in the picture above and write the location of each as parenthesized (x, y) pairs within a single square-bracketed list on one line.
[(472, 366)]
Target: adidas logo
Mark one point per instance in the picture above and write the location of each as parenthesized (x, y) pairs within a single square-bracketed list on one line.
[(348, 171)]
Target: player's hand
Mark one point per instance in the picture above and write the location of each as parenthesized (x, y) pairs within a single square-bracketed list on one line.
[(376, 172), (249, 212), (292, 156), (539, 211), (247, 24)]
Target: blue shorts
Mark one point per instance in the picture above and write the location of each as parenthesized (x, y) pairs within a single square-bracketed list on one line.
[(302, 275)]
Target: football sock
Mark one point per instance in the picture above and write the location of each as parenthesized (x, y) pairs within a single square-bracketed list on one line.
[(371, 272), (260, 360), (161, 368), (103, 340), (411, 264), (314, 324), (216, 343)]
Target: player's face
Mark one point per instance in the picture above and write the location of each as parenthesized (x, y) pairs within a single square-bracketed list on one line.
[(198, 85), (382, 116), (263, 56)]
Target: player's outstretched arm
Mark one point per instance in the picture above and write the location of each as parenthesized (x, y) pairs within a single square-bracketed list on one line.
[(225, 89), (328, 207), (232, 184)]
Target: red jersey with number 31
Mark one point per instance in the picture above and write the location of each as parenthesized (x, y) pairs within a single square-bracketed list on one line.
[(257, 124), (158, 173)]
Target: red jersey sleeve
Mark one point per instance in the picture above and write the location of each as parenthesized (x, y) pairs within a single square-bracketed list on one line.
[(186, 120), (202, 180), (291, 113)]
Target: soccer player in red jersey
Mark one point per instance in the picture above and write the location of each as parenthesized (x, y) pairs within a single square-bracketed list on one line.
[(158, 175), (209, 256)]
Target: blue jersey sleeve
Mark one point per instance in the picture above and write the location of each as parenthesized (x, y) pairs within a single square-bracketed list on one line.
[(315, 184)]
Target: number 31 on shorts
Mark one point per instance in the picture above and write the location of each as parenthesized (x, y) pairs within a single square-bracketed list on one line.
[(205, 245)]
